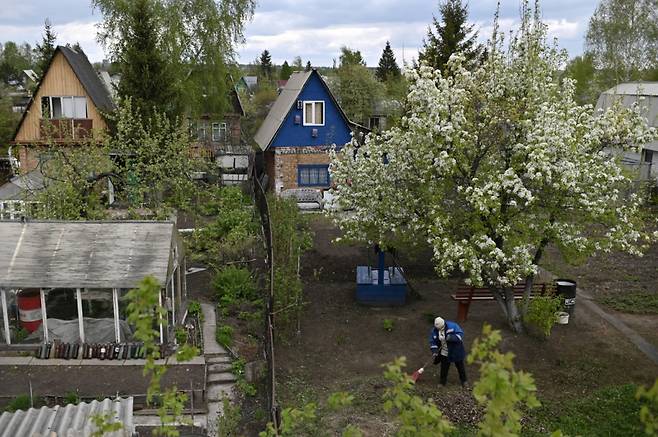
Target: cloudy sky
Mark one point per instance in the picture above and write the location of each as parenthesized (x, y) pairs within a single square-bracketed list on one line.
[(312, 29)]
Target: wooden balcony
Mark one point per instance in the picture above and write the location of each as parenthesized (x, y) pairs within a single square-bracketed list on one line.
[(65, 129)]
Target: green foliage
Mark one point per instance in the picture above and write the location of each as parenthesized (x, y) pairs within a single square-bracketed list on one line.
[(295, 422), (265, 63), (542, 313), (388, 325), (581, 69), (416, 416), (611, 411), (181, 335), (357, 89), (8, 119), (649, 410), (224, 335), (105, 424), (388, 67), (451, 35), (340, 400), (44, 52), (14, 59), (286, 71), (20, 402), (639, 302), (234, 284), (71, 398), (501, 390), (194, 309), (228, 422)]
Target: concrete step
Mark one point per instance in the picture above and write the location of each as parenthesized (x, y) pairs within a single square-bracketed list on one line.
[(219, 368), (217, 359), (221, 378), (215, 393)]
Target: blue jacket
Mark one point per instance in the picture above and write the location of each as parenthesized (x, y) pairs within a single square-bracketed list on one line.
[(455, 339)]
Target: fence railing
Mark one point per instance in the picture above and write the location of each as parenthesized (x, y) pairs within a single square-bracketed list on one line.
[(262, 205)]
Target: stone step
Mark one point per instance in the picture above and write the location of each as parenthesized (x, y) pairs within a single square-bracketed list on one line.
[(217, 359), (221, 378), (219, 368), (215, 393)]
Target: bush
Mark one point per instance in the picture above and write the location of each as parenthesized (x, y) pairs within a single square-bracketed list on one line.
[(194, 309), (542, 313), (71, 398), (224, 335), (21, 402), (234, 284), (388, 325)]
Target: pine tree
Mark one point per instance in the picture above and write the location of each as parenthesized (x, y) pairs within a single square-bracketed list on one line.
[(146, 77), (453, 34), (266, 64), (308, 66), (44, 51), (388, 68), (286, 71)]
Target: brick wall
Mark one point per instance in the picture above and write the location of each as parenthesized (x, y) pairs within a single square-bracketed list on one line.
[(286, 160), (29, 158)]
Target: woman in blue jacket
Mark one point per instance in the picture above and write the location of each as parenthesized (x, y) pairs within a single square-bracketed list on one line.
[(447, 346)]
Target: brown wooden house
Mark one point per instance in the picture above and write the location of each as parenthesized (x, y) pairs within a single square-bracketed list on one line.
[(67, 106)]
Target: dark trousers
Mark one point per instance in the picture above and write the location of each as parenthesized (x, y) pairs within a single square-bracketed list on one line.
[(445, 365)]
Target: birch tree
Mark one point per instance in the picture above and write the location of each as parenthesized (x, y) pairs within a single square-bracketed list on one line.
[(491, 166)]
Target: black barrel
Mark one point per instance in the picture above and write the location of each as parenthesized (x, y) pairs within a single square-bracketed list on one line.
[(567, 289)]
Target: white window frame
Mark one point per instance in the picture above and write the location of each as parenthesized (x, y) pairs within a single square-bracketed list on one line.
[(313, 103), (73, 106), (222, 129)]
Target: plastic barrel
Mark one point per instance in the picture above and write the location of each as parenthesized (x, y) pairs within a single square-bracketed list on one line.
[(567, 289), (29, 310)]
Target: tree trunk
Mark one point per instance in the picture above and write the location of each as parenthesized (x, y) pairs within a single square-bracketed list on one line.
[(529, 282), (505, 299)]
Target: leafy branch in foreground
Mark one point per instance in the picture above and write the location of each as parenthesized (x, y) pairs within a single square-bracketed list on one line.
[(649, 411)]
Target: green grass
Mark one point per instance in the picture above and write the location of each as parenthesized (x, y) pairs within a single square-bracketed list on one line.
[(638, 302), (612, 411)]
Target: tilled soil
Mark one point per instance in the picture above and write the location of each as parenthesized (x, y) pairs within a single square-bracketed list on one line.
[(343, 345)]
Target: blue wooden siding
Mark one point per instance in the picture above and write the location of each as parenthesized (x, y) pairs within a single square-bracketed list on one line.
[(335, 129)]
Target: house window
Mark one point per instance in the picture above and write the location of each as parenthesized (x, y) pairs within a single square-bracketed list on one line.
[(314, 113), (63, 107), (202, 130), (219, 132), (374, 123), (313, 175)]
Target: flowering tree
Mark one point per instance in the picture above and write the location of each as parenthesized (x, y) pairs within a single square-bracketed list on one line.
[(491, 166)]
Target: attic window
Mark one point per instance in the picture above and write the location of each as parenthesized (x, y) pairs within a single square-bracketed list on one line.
[(314, 113), (63, 107)]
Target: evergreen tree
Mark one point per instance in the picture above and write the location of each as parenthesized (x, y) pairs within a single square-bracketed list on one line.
[(286, 71), (146, 77), (266, 64), (308, 66), (388, 67), (452, 34), (44, 51)]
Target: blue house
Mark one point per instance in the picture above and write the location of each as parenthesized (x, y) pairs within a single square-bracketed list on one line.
[(303, 124)]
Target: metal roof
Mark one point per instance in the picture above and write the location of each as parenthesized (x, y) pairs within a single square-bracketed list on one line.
[(22, 186), (68, 421), (103, 254), (634, 89), (281, 107)]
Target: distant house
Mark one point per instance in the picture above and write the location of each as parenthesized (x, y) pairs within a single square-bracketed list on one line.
[(220, 139), (247, 84), (382, 111), (646, 95), (303, 124), (67, 106)]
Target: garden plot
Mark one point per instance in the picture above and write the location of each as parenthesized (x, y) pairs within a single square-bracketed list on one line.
[(342, 345)]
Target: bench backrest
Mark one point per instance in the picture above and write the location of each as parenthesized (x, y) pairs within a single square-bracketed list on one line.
[(467, 291)]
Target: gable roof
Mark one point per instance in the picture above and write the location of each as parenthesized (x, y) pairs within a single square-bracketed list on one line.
[(87, 76), (284, 103), (85, 254)]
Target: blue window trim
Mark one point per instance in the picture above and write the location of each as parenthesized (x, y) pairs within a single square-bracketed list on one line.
[(301, 167)]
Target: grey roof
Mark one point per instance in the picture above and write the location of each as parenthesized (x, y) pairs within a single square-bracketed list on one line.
[(88, 77), (634, 89), (102, 254), (281, 107), (22, 186), (68, 421), (250, 81)]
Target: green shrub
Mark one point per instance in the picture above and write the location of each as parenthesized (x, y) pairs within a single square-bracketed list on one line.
[(71, 398), (224, 335), (234, 284), (194, 309), (20, 402), (542, 313), (180, 334), (388, 325), (229, 421)]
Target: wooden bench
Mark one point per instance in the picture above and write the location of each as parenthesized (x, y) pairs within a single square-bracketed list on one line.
[(466, 294)]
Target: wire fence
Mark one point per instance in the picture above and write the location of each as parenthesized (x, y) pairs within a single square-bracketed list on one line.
[(260, 199)]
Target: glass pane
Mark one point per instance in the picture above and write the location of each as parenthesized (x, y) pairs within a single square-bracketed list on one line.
[(314, 176), (67, 107), (308, 113), (80, 104), (324, 176), (98, 311), (303, 176), (57, 107), (319, 113), (45, 107)]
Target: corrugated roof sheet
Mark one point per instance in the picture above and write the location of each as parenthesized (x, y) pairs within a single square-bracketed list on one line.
[(68, 421), (22, 186), (635, 88), (281, 107), (104, 254)]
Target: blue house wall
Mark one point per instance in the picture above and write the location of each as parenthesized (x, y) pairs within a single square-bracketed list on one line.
[(335, 130)]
